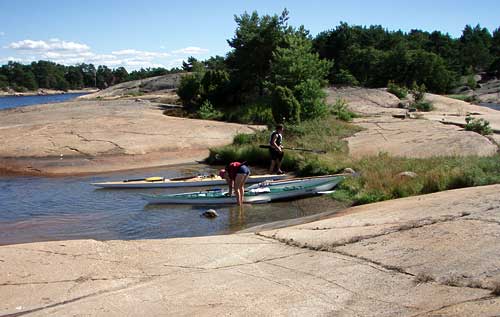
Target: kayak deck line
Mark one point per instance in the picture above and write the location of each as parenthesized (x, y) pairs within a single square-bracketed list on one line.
[(197, 181)]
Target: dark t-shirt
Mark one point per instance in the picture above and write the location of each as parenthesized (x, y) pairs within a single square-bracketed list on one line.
[(279, 138)]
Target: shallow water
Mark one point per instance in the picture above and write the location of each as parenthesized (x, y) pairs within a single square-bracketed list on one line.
[(19, 101), (43, 209), (493, 106)]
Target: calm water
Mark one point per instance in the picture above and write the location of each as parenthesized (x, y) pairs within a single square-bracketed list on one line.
[(19, 101), (42, 209), (490, 105)]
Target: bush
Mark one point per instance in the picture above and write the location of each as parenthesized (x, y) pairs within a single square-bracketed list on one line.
[(214, 86), (243, 138), (189, 89), (285, 107), (418, 92), (311, 98), (418, 95), (471, 82), (478, 125), (208, 112), (344, 77), (399, 91), (339, 110), (254, 113), (423, 106)]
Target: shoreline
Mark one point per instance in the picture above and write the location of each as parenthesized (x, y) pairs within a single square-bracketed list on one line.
[(79, 166), (46, 92)]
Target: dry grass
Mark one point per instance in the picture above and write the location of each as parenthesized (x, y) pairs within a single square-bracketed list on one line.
[(423, 277)]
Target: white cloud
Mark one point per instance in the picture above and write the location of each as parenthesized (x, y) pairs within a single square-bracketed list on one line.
[(191, 50), (50, 45), (71, 53), (140, 54)]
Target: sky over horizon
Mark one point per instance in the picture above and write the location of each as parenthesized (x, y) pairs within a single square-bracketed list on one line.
[(154, 33)]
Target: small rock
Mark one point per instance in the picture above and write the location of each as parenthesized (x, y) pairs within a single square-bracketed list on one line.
[(408, 174), (405, 104), (210, 213), (349, 170)]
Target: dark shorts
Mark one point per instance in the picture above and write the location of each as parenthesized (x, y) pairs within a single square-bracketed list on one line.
[(275, 154), (243, 169)]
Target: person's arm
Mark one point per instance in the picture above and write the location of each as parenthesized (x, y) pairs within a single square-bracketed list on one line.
[(273, 142)]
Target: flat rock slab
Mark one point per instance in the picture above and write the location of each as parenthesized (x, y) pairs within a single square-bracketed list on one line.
[(87, 136), (415, 138), (224, 275), (278, 272), (364, 101)]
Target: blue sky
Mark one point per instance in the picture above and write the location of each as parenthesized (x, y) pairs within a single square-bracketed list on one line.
[(151, 33)]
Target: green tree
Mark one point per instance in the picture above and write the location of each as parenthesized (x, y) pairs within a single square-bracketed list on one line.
[(74, 77), (104, 77), (120, 75), (495, 43), (474, 49), (295, 63), (255, 40), (285, 107), (214, 87)]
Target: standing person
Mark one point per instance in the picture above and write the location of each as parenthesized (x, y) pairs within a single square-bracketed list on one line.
[(236, 174), (276, 149)]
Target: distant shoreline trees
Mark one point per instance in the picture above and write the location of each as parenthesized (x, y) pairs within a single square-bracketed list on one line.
[(50, 75)]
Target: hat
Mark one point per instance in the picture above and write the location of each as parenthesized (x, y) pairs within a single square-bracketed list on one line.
[(222, 173)]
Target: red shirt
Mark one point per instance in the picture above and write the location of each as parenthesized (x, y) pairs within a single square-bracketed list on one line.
[(233, 169)]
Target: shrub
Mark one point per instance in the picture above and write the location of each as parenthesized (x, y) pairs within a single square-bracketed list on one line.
[(339, 110), (418, 95), (478, 125), (208, 112), (214, 86), (418, 92), (424, 106), (311, 98), (471, 82), (243, 138), (399, 91), (344, 77), (254, 113), (284, 105), (189, 89)]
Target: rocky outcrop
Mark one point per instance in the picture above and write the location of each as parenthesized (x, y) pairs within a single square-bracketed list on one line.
[(432, 255), (395, 131), (153, 85), (96, 136)]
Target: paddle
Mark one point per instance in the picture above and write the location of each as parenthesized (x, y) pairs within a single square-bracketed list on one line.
[(161, 179), (264, 146)]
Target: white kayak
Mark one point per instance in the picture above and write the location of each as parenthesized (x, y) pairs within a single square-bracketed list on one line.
[(160, 182), (263, 193)]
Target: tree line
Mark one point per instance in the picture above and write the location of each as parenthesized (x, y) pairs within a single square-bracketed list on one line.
[(50, 75), (272, 63)]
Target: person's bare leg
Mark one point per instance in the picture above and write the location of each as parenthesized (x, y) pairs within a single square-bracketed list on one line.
[(279, 166), (271, 169), (239, 184)]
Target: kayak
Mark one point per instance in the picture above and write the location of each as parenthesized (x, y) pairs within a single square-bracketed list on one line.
[(263, 193), (160, 182)]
